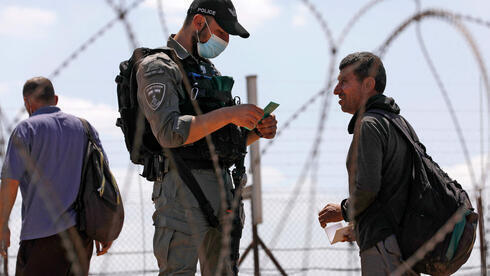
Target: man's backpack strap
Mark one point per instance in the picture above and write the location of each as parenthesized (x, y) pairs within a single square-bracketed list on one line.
[(87, 130), (191, 183), (403, 127)]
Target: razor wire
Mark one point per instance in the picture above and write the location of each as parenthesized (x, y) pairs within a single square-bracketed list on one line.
[(303, 107), (449, 17), (454, 20), (218, 171), (363, 10), (122, 13), (311, 159), (354, 19), (66, 242), (70, 242), (161, 17)]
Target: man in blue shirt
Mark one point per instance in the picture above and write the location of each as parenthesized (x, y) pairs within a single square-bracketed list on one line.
[(44, 158)]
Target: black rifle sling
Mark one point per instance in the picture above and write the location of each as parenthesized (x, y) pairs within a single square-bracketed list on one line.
[(184, 171), (191, 183)]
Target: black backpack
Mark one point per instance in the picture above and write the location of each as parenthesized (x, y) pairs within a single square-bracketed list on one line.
[(98, 204), (143, 147), (433, 198)]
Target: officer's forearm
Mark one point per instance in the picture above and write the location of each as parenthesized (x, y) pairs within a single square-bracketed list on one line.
[(251, 138), (8, 194), (206, 124)]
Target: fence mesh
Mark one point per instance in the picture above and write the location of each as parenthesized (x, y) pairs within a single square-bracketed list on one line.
[(290, 227)]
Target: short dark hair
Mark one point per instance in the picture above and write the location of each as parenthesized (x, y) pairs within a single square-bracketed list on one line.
[(367, 64), (190, 17), (40, 88)]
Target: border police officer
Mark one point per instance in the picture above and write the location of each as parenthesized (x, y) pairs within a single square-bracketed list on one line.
[(167, 85)]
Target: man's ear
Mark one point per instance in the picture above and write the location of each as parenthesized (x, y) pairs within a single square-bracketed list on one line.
[(198, 22), (27, 105), (368, 84), (55, 100)]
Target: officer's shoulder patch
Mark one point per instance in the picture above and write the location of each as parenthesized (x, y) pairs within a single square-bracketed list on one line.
[(154, 94), (157, 64)]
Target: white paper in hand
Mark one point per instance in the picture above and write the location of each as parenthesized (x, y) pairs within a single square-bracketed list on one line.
[(336, 232)]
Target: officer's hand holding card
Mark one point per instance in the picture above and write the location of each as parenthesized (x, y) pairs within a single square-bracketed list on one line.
[(267, 127)]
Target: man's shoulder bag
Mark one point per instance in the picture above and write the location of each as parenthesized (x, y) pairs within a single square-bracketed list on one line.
[(98, 204)]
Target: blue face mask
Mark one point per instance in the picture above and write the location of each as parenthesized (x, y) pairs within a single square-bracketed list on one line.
[(213, 47)]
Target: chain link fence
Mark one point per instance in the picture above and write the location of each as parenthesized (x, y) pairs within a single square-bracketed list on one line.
[(290, 228)]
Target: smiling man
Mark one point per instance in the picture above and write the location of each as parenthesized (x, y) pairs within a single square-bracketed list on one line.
[(379, 165), (171, 84)]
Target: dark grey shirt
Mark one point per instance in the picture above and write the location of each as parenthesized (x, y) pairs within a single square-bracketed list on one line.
[(380, 167)]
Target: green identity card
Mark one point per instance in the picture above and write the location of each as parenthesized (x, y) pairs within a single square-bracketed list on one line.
[(268, 110)]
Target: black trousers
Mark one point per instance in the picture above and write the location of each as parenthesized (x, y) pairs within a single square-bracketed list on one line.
[(66, 253)]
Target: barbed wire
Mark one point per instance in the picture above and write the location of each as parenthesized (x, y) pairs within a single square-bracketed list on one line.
[(453, 20), (355, 18), (161, 17), (313, 156), (75, 54), (429, 245), (121, 13), (315, 151), (67, 242), (448, 102)]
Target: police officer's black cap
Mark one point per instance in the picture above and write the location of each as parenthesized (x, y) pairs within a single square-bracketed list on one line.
[(223, 12)]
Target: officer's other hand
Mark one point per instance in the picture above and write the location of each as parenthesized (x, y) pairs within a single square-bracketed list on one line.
[(102, 247), (330, 213), (268, 127), (4, 240), (246, 115)]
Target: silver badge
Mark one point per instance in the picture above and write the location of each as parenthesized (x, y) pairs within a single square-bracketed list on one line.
[(232, 11), (154, 95)]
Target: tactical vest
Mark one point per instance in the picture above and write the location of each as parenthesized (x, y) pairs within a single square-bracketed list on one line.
[(208, 89), (211, 91)]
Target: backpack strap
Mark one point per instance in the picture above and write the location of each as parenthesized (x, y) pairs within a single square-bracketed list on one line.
[(87, 130), (78, 203), (90, 137), (403, 127)]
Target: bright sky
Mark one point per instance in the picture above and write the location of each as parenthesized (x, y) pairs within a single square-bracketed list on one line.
[(290, 54)]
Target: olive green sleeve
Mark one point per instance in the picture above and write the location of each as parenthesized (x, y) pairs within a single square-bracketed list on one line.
[(159, 82)]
